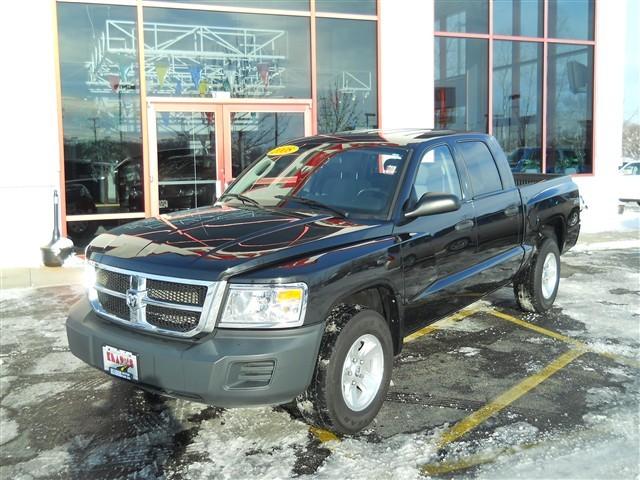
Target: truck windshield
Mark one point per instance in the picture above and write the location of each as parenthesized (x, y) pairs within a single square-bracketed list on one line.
[(355, 180)]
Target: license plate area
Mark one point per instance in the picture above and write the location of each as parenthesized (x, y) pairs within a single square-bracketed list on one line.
[(120, 363)]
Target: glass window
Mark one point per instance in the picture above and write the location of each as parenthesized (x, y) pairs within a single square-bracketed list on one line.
[(83, 231), (272, 4), (186, 160), (469, 16), (195, 53), (461, 84), (360, 7), (517, 102), (481, 167), (437, 173), (255, 133), (517, 17), (100, 105), (347, 80), (569, 107), (358, 180), (571, 19)]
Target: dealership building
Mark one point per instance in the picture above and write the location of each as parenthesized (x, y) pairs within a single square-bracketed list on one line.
[(134, 108)]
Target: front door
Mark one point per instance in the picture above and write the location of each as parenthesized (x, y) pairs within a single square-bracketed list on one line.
[(438, 249), (196, 148)]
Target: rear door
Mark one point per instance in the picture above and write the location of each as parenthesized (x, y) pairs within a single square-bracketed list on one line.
[(436, 248), (499, 217)]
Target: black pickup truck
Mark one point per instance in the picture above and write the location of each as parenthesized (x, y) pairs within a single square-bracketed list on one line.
[(298, 286)]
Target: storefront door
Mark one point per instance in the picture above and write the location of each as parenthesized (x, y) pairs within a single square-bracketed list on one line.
[(196, 148)]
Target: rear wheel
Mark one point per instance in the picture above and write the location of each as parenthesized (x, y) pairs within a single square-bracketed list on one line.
[(352, 372), (536, 288)]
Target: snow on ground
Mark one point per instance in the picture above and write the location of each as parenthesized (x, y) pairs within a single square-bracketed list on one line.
[(61, 419)]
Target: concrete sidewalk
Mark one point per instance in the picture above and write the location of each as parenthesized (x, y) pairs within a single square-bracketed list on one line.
[(72, 272)]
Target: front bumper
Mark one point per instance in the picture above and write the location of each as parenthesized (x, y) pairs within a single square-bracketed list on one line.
[(230, 368)]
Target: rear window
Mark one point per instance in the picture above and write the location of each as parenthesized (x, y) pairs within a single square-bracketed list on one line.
[(482, 168)]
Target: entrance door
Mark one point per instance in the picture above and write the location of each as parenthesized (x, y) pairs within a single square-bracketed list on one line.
[(196, 148)]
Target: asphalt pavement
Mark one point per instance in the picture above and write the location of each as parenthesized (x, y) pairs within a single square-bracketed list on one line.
[(490, 392)]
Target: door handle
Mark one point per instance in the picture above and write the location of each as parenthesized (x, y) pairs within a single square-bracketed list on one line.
[(464, 225), (511, 210)]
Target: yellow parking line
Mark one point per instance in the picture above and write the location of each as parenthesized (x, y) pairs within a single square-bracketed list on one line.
[(323, 435), (456, 317), (563, 338), (508, 397)]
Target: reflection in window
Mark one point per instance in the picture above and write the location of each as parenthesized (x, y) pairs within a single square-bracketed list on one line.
[(469, 16), (186, 160), (83, 231), (461, 84), (100, 104), (481, 167), (437, 173), (517, 17), (360, 7), (517, 102), (569, 107), (347, 80), (255, 133), (571, 19), (272, 4), (195, 53)]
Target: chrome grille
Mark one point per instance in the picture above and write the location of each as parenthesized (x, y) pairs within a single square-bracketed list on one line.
[(118, 282), (171, 319), (176, 292), (114, 305), (166, 305)]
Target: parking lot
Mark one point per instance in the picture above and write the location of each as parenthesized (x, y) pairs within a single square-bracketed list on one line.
[(488, 393)]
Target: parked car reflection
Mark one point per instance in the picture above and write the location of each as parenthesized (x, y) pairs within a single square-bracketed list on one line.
[(185, 180), (563, 160)]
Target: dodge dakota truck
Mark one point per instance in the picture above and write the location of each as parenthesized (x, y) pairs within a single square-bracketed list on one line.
[(299, 284)]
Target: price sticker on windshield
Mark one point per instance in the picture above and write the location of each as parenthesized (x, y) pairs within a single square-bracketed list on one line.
[(283, 150)]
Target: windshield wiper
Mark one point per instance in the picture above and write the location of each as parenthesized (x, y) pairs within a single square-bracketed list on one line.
[(313, 203), (243, 198)]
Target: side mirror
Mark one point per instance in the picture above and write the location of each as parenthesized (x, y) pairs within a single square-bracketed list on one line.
[(432, 203)]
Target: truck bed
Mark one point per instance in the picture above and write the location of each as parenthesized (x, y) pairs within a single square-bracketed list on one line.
[(532, 178)]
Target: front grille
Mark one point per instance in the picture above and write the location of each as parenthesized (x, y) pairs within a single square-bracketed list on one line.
[(117, 282), (172, 319), (180, 293), (171, 306), (114, 305)]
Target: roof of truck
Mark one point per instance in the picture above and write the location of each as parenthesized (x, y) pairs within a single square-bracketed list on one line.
[(400, 136)]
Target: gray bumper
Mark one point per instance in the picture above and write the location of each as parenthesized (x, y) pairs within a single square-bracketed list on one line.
[(231, 368)]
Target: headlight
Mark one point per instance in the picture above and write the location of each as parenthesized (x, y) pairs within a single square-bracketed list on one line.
[(264, 306)]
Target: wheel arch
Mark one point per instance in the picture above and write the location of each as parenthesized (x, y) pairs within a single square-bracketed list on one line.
[(383, 299), (558, 226)]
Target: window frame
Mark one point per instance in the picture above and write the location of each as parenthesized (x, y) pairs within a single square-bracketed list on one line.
[(474, 195), (545, 40), (431, 148)]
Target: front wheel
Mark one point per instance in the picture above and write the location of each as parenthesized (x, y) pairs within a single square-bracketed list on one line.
[(536, 288), (352, 372)]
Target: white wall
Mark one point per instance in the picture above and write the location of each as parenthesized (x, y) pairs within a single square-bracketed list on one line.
[(406, 56), (600, 191), (29, 167)]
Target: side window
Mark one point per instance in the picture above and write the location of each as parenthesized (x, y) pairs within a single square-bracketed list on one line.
[(437, 173), (481, 167)]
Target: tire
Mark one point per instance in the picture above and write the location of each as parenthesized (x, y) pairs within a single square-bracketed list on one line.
[(325, 403), (536, 288)]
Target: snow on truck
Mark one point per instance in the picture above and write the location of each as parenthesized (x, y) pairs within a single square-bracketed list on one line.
[(299, 284)]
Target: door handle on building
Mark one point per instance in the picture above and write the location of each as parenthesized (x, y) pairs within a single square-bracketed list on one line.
[(464, 225)]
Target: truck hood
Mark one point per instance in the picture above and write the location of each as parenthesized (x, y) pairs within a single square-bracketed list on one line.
[(222, 241)]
